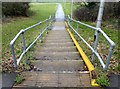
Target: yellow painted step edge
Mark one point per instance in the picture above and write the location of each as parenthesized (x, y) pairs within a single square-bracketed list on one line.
[(84, 57)]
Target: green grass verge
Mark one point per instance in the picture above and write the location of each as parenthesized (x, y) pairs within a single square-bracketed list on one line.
[(38, 12)]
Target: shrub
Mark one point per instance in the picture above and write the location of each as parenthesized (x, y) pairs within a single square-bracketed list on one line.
[(90, 12), (15, 8), (87, 14), (112, 9)]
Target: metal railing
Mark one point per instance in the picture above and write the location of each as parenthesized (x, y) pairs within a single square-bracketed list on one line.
[(26, 48), (112, 44)]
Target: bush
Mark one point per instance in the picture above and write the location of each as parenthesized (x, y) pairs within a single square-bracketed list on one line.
[(15, 8), (90, 12), (87, 14), (112, 9)]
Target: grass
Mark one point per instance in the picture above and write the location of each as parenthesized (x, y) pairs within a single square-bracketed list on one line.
[(39, 12)]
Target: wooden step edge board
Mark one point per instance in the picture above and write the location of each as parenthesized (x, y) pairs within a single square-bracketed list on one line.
[(57, 43), (63, 47), (54, 72), (84, 57)]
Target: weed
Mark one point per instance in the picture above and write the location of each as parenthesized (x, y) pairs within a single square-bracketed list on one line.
[(102, 77), (30, 56), (27, 66), (103, 80), (118, 67), (19, 79)]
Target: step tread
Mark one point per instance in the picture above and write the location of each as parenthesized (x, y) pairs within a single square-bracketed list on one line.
[(59, 65), (57, 53)]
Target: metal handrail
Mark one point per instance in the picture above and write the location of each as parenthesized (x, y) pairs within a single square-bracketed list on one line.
[(25, 49), (112, 44)]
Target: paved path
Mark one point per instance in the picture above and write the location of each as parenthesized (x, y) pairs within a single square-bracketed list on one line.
[(60, 16)]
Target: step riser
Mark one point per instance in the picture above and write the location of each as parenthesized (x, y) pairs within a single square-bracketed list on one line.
[(57, 41)]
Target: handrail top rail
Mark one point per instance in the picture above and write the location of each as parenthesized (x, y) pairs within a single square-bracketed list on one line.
[(95, 28), (83, 24), (24, 30), (15, 38)]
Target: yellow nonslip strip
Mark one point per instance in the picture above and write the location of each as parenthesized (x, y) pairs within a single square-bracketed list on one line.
[(84, 57)]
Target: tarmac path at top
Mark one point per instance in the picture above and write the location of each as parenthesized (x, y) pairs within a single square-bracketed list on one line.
[(60, 16)]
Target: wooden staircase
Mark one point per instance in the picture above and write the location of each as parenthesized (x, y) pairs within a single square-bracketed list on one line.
[(58, 62)]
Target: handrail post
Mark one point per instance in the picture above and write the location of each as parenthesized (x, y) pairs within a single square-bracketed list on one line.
[(41, 28), (13, 55), (99, 21), (96, 43), (24, 46), (109, 56), (50, 20), (77, 27), (47, 23)]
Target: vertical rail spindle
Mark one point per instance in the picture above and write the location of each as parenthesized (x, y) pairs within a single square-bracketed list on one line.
[(24, 47)]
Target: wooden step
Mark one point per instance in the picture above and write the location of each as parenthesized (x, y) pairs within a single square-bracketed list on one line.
[(58, 41), (56, 49), (59, 65), (57, 55)]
